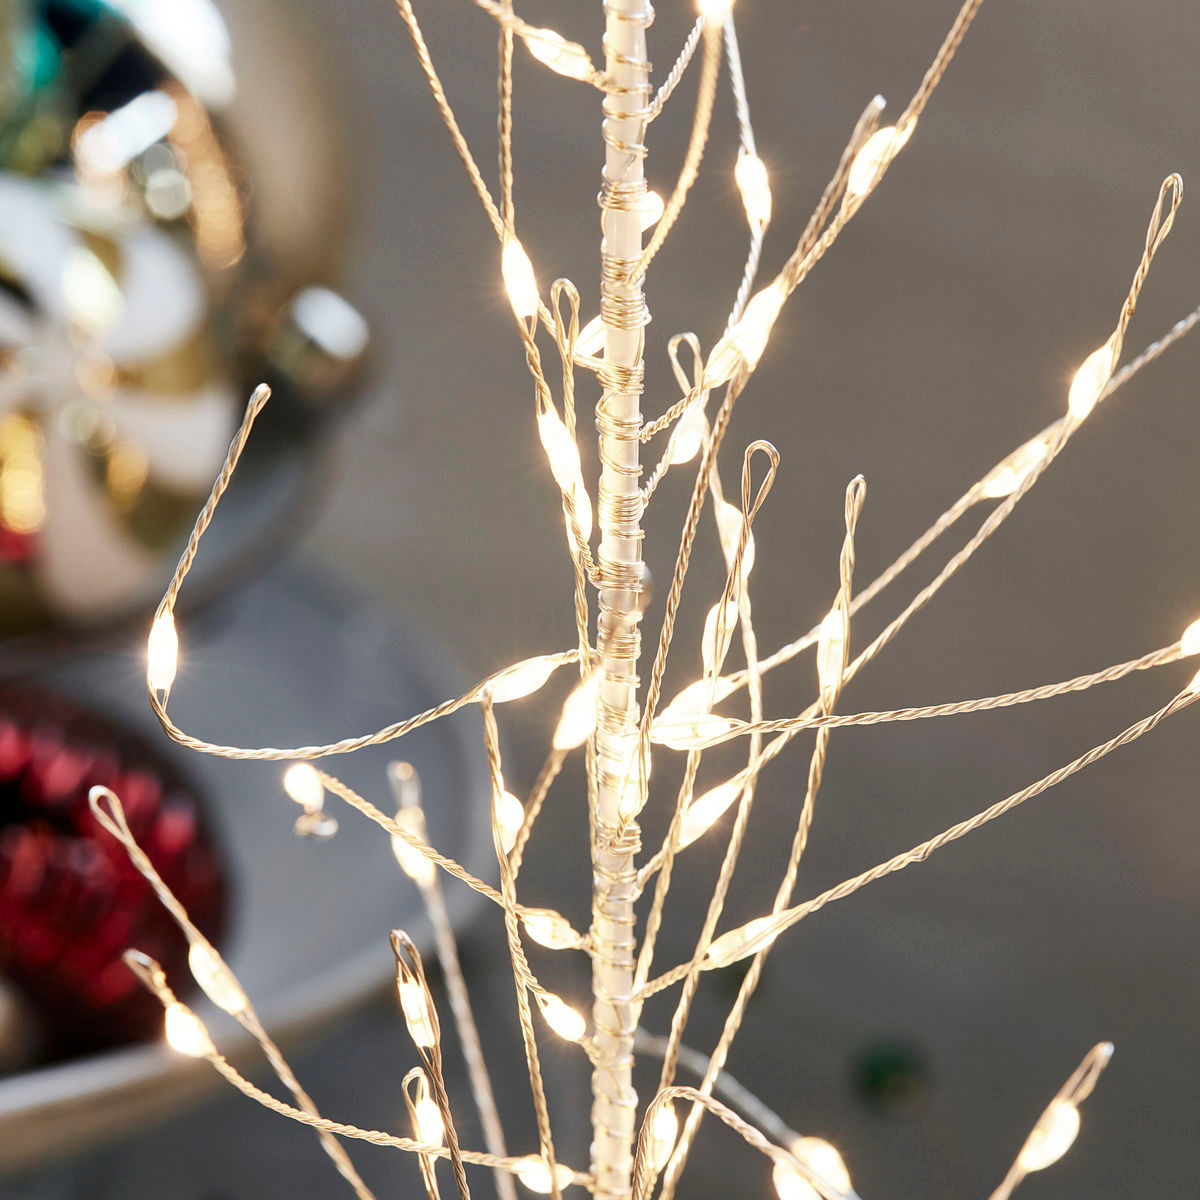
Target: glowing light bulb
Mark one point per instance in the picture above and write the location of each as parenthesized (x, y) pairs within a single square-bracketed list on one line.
[(567, 1022), (412, 862), (831, 653), (729, 529), (566, 58), (525, 678), (751, 176), (519, 280), (757, 321), (416, 1013), (533, 1172), (1051, 1137), (712, 648), (563, 455), (591, 337), (185, 1032), (747, 340), (663, 1132), (714, 11), (1006, 477), (823, 1158), (303, 784), (1189, 644), (691, 733), (549, 929), (791, 1184), (162, 653), (652, 209), (706, 810), (688, 435), (427, 1117), (510, 816), (216, 980), (878, 150), (1091, 379), (579, 713), (739, 943), (635, 778), (694, 700)]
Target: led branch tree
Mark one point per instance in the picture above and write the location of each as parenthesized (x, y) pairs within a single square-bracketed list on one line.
[(641, 1143)]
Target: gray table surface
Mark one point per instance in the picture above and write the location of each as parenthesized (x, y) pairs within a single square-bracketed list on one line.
[(939, 333)]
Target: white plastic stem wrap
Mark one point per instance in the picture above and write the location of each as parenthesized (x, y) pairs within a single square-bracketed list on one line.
[(623, 312)]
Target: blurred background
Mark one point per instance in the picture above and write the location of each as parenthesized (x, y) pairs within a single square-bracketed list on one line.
[(920, 1025)]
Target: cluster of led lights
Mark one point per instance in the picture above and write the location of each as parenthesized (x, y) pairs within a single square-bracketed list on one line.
[(812, 1168)]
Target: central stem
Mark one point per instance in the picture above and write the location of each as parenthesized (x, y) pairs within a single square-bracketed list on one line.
[(619, 509)]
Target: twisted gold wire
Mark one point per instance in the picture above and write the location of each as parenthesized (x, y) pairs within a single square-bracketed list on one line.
[(110, 813), (643, 1181), (1046, 691), (374, 1136), (422, 847), (855, 495), (709, 68), (937, 68), (448, 118), (410, 968), (919, 853), (522, 975), (675, 74)]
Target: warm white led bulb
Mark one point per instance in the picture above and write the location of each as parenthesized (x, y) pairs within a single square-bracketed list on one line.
[(303, 784), (791, 1184), (591, 337), (714, 11), (427, 1117), (878, 150), (694, 700), (566, 1021), (579, 713), (738, 943), (185, 1031), (216, 980), (691, 732), (706, 810), (652, 208), (563, 455), (747, 340), (510, 816), (751, 176), (824, 1159), (831, 653), (688, 435), (412, 862), (549, 929), (524, 679), (1091, 379), (713, 649), (416, 1013), (635, 778), (519, 280), (567, 58), (1189, 644), (1006, 477), (162, 653), (664, 1131), (1051, 1137), (729, 529), (534, 1173)]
